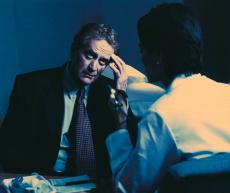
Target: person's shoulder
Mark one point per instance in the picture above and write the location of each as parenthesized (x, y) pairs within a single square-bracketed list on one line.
[(144, 91), (39, 78), (40, 73)]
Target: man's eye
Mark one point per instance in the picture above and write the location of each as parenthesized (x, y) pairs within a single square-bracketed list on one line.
[(88, 56), (103, 62)]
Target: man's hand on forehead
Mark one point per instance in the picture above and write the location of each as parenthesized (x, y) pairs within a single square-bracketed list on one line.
[(119, 69)]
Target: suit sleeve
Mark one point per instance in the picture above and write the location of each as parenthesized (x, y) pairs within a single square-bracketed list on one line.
[(12, 131), (141, 169)]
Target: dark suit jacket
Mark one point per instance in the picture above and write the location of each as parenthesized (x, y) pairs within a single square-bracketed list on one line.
[(30, 134)]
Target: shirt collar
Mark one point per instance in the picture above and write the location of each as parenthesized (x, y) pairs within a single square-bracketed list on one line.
[(70, 87), (179, 79)]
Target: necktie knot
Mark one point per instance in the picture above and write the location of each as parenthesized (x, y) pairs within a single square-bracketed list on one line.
[(81, 94)]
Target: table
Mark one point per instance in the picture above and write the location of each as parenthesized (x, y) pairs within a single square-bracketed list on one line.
[(13, 175)]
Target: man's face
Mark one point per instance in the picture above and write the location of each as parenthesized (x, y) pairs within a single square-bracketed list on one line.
[(88, 63)]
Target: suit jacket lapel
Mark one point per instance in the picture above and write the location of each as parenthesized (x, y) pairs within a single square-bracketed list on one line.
[(54, 107)]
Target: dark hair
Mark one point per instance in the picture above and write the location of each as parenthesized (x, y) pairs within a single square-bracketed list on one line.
[(97, 32), (172, 31)]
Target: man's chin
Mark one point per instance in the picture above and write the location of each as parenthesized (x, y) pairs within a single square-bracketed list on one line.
[(87, 81)]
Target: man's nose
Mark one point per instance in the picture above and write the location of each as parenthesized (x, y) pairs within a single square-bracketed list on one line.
[(93, 65)]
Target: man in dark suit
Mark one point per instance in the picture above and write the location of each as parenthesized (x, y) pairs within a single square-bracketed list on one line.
[(33, 136)]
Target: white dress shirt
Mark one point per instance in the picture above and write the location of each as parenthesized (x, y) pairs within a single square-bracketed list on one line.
[(194, 114), (197, 111)]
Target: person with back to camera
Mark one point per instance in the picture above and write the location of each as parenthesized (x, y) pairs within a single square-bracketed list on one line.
[(191, 121)]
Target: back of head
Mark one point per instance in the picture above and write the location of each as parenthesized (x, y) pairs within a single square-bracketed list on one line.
[(171, 31), (94, 31)]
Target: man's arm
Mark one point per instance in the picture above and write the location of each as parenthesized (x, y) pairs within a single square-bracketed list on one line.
[(141, 169), (13, 129)]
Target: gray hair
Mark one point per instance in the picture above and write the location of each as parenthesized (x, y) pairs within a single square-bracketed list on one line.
[(95, 31)]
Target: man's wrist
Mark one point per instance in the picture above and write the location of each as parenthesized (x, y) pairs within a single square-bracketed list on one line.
[(121, 93)]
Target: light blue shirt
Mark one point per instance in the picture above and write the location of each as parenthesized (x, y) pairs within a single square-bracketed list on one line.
[(70, 95)]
